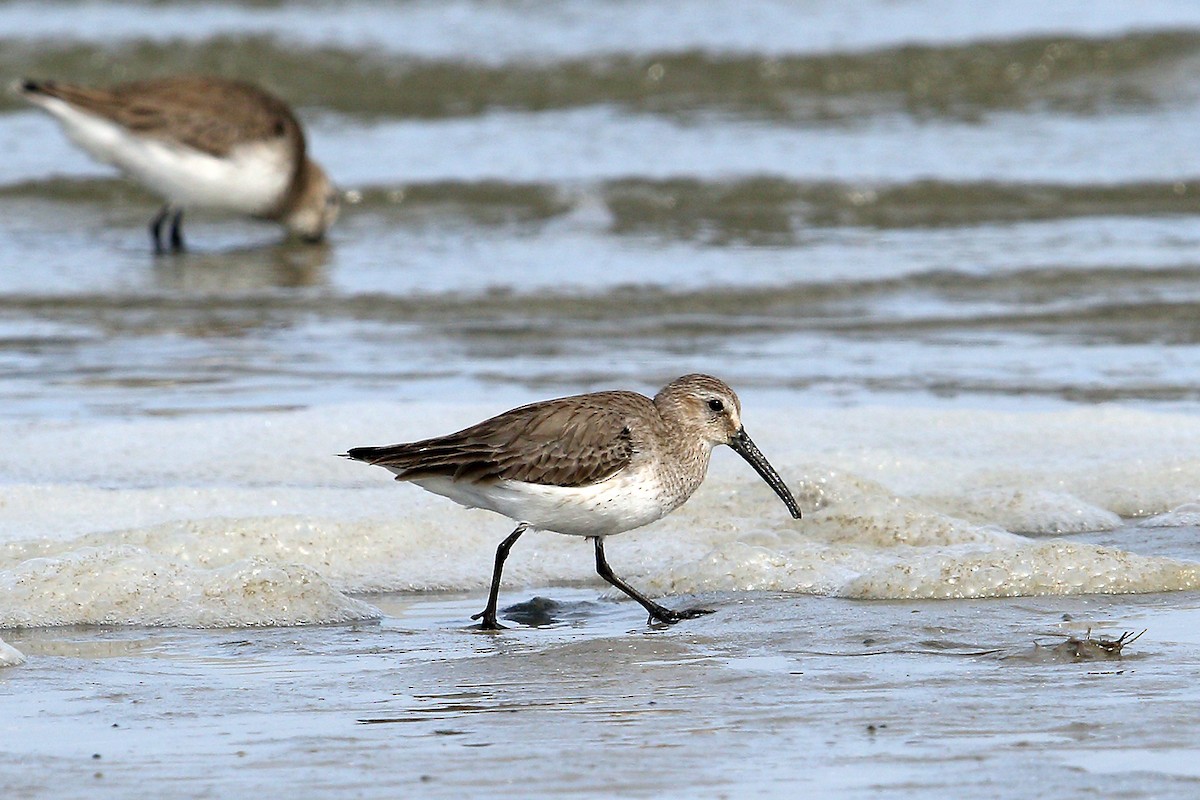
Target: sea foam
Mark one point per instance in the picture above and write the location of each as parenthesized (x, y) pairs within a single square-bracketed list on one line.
[(250, 519)]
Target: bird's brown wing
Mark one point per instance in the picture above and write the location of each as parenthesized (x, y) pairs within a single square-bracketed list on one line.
[(572, 441), (212, 115)]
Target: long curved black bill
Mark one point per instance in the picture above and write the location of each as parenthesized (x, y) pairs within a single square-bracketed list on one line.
[(745, 447)]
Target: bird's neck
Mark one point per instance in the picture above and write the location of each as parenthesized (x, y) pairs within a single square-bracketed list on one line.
[(688, 446), (302, 176)]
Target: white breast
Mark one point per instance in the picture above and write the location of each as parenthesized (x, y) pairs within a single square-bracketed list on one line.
[(625, 501), (250, 180)]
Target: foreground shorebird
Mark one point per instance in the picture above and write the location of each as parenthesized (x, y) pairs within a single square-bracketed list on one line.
[(588, 465), (198, 142)]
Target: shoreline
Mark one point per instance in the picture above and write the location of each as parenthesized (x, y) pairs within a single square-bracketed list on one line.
[(770, 694)]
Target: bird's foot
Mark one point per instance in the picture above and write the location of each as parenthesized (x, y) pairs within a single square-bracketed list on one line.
[(669, 617), (488, 622)]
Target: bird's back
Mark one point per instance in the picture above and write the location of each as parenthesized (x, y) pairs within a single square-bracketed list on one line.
[(570, 441), (210, 115)]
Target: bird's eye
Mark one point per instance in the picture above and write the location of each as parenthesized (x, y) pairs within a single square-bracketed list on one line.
[(716, 405)]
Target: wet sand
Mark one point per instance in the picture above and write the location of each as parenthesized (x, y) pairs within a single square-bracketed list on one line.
[(770, 696)]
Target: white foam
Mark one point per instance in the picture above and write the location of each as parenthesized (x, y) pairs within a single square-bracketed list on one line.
[(250, 519), (865, 543), (1028, 510), (1187, 515), (127, 585)]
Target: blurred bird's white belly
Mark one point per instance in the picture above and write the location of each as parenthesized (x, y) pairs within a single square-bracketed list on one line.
[(250, 180), (627, 500)]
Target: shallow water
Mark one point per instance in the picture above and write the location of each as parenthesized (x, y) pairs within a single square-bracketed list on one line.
[(946, 256), (770, 695)]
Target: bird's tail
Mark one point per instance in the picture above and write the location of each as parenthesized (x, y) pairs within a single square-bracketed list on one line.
[(368, 455)]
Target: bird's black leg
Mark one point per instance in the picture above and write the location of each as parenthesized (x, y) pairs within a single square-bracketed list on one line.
[(660, 613), (156, 229), (488, 615), (177, 231)]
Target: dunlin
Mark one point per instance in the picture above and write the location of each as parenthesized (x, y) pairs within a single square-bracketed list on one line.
[(198, 142), (588, 465)]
